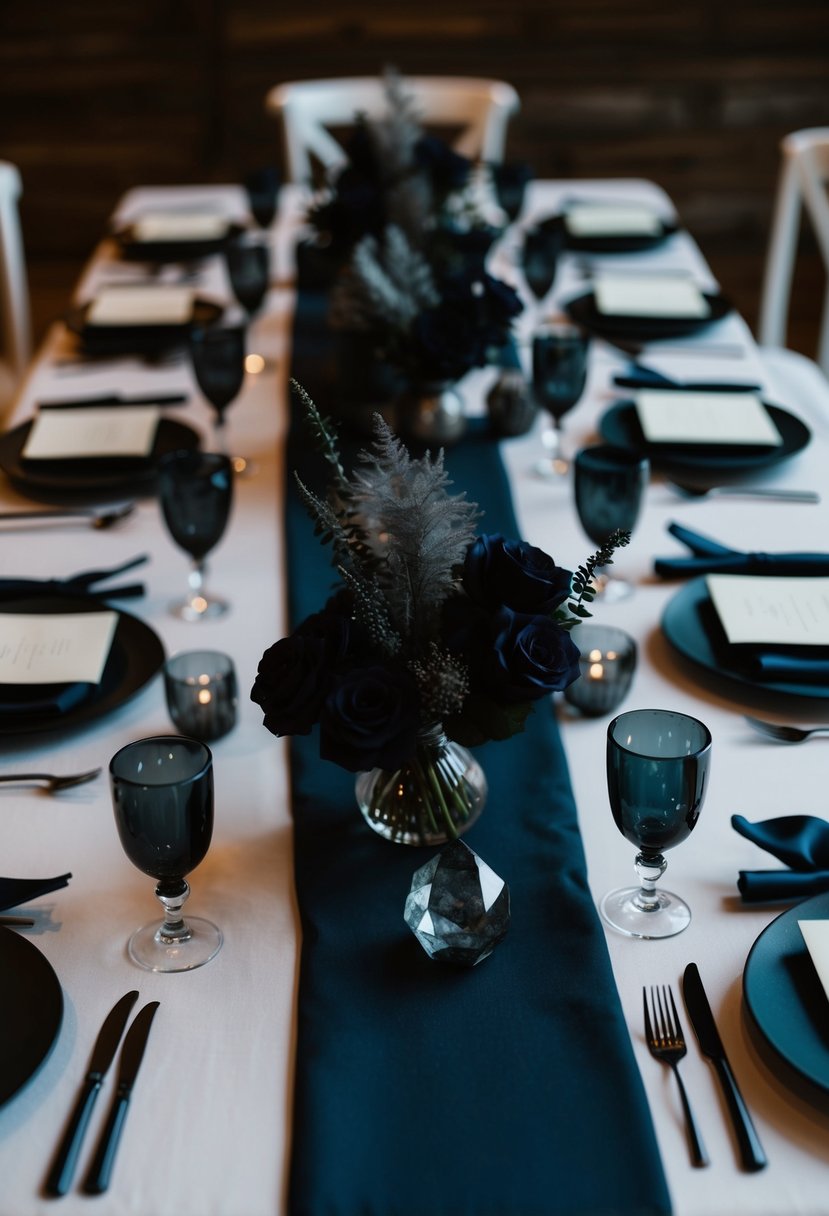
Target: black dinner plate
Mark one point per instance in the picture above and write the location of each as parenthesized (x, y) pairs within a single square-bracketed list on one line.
[(65, 480), (143, 339), (620, 427), (136, 655), (684, 628), (173, 250), (31, 1011), (584, 312), (786, 1003), (611, 242)]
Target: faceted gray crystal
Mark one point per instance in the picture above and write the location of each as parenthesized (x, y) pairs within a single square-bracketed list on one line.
[(457, 908)]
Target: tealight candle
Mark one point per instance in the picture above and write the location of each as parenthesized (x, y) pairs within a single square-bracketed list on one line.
[(200, 687), (607, 663)]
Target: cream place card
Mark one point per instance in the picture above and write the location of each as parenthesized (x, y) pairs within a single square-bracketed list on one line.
[(59, 648), (678, 416), (816, 936), (764, 610), (141, 305), (601, 219), (78, 433), (179, 226), (649, 295)]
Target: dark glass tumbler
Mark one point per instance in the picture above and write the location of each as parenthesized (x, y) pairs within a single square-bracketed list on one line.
[(658, 764), (162, 795), (196, 491)]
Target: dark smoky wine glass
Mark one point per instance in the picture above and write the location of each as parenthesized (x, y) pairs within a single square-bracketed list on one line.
[(248, 260), (609, 485), (559, 373), (658, 764), (218, 358), (162, 796), (510, 180), (262, 190), (196, 492), (539, 262)]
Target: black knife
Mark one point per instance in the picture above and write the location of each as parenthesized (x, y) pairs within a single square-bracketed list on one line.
[(132, 1053), (710, 1043), (109, 1036), (102, 399), (632, 380)]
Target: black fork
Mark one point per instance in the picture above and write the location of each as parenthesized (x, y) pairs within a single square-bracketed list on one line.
[(667, 1043)]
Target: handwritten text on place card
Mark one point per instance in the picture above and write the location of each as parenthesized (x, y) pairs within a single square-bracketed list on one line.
[(55, 648), (641, 295), (589, 219), (141, 306), (698, 417), (79, 433), (775, 611)]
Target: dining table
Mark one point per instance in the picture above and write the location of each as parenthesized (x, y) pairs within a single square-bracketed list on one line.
[(211, 1125)]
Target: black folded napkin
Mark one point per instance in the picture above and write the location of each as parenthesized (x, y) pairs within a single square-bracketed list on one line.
[(420, 1088), (83, 583), (14, 891), (801, 842), (710, 557)]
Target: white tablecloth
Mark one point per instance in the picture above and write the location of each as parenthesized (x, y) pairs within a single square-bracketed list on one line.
[(209, 1126)]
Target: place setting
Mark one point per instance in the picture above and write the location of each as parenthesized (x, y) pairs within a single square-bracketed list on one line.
[(609, 227), (646, 306)]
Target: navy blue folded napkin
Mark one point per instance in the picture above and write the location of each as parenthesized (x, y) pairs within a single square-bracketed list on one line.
[(84, 583), (710, 557), (420, 1088), (15, 891), (801, 842)]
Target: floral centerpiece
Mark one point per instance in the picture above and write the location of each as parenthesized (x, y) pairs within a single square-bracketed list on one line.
[(436, 641)]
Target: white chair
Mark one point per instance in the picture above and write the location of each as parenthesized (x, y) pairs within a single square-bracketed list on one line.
[(15, 323), (803, 181), (309, 108)]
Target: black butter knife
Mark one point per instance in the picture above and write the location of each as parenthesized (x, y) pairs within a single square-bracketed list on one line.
[(132, 1053), (710, 1043), (109, 1036)]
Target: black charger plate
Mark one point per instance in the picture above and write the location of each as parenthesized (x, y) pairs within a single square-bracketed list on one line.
[(620, 427), (786, 1002), (135, 657), (683, 626), (140, 339), (30, 1013), (584, 312), (95, 477), (612, 242), (179, 250)]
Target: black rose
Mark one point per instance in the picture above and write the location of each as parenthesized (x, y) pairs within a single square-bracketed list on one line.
[(369, 719), (295, 673), (532, 656), (497, 571)]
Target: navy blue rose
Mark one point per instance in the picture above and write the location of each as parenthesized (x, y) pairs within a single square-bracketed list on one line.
[(448, 170), (447, 343), (532, 657), (370, 719), (296, 672), (498, 571)]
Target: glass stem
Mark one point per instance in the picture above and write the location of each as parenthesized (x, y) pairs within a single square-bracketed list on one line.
[(195, 581), (172, 894), (649, 870), (220, 435)]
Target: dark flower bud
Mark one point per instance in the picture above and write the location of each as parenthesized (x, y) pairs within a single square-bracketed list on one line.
[(370, 719), (532, 656), (498, 571)]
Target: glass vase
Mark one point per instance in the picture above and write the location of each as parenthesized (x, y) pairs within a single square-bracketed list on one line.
[(431, 412), (433, 797)]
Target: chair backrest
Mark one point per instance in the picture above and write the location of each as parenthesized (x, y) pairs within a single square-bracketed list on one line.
[(309, 108), (803, 182), (15, 322)]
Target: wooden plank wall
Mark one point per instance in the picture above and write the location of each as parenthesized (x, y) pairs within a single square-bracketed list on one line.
[(97, 96)]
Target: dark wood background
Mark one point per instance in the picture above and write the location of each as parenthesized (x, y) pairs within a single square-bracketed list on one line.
[(98, 96)]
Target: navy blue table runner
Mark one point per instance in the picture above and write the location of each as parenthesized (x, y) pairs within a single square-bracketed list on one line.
[(422, 1090)]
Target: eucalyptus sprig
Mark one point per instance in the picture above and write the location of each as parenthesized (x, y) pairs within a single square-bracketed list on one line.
[(582, 586)]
